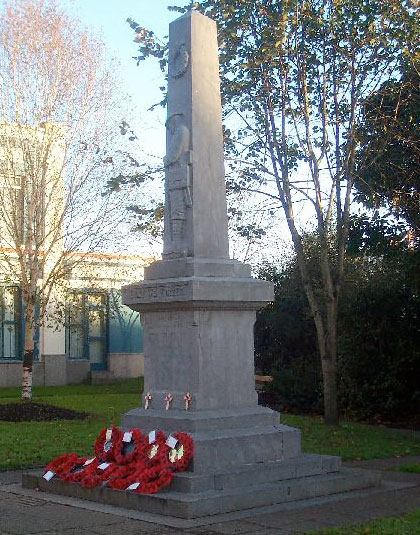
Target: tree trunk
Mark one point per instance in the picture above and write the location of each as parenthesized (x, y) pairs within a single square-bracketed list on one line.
[(328, 352), (326, 330), (28, 355)]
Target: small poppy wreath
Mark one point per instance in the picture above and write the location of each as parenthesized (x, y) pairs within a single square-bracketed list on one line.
[(105, 449), (137, 473), (97, 476), (158, 450), (154, 479), (179, 458), (123, 477), (80, 470), (63, 463), (128, 452)]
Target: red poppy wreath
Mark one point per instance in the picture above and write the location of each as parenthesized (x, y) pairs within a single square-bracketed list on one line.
[(131, 461), (131, 447), (106, 444)]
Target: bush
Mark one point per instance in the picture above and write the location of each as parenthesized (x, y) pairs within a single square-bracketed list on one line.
[(378, 331), (285, 342)]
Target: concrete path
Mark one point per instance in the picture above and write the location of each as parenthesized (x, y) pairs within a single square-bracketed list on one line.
[(34, 513)]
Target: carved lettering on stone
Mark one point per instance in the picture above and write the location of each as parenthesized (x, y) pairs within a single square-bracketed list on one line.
[(161, 292), (177, 164)]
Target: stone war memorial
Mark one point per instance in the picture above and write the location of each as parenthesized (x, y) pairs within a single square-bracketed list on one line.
[(198, 309)]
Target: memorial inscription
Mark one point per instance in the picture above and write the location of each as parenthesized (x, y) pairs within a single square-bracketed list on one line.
[(161, 291)]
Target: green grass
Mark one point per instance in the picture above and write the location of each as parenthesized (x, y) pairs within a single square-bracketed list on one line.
[(352, 440), (399, 525), (35, 443), (410, 468), (129, 386)]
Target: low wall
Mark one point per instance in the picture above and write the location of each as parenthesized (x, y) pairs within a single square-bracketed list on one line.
[(11, 374), (55, 370), (125, 365), (78, 371)]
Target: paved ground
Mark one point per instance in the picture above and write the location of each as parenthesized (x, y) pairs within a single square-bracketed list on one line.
[(20, 514)]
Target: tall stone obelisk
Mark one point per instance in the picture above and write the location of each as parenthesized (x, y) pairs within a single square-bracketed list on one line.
[(198, 310), (197, 306)]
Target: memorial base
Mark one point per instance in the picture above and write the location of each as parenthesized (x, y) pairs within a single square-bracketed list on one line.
[(295, 485), (243, 459)]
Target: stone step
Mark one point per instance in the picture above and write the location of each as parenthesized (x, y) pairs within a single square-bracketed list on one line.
[(303, 466), (212, 502), (224, 438), (231, 448), (199, 421), (263, 494)]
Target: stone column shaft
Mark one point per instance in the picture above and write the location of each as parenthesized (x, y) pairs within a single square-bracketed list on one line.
[(196, 219)]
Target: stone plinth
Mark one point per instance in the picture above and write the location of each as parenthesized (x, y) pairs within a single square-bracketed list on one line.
[(198, 319)]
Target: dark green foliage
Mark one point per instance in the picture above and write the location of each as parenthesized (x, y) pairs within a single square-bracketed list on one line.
[(379, 354), (379, 329), (389, 159), (285, 341)]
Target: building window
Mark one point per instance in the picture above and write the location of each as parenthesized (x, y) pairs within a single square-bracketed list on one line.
[(10, 323), (87, 328)]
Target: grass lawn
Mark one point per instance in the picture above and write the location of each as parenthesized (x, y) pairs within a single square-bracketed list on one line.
[(410, 468), (352, 440), (35, 443), (398, 525)]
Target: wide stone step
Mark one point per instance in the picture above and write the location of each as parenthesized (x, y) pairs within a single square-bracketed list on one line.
[(302, 466), (212, 502)]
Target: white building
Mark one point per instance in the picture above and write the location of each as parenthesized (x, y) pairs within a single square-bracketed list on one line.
[(93, 336)]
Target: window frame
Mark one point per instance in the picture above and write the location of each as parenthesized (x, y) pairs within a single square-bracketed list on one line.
[(84, 326), (17, 323)]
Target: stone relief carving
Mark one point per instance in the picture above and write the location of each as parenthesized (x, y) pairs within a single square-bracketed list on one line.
[(179, 61), (177, 164)]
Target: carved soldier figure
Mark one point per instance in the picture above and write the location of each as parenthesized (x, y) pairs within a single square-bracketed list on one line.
[(177, 164)]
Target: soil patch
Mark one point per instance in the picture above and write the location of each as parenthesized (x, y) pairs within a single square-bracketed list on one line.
[(38, 412)]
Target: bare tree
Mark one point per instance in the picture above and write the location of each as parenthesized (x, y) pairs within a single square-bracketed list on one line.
[(58, 130)]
